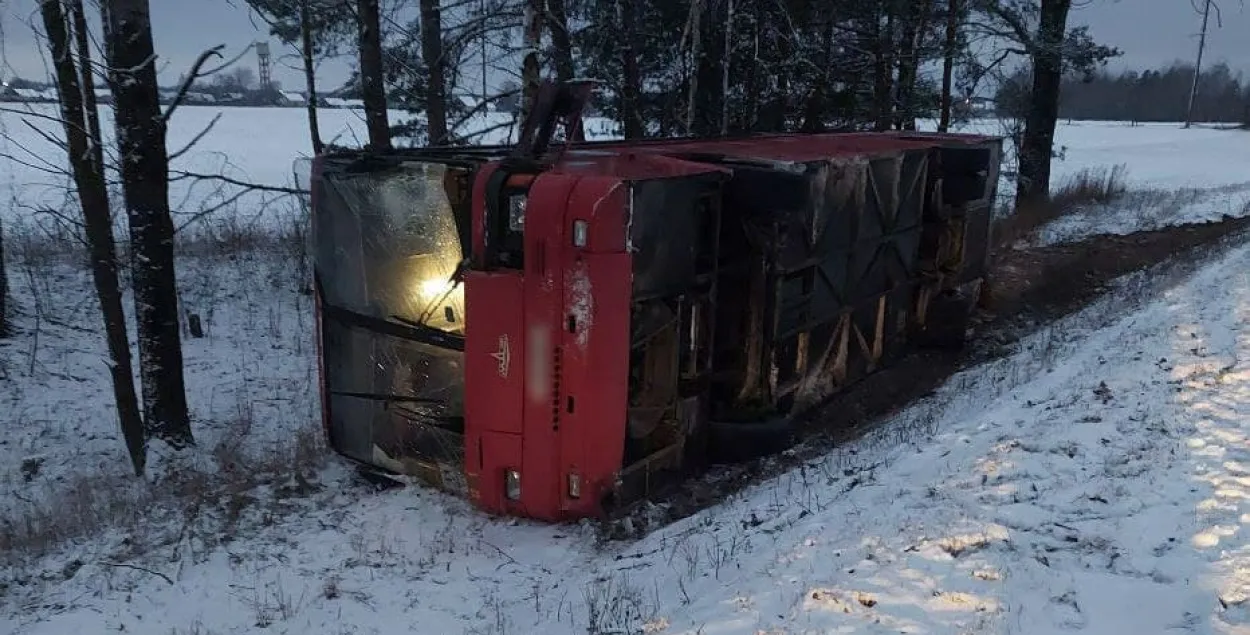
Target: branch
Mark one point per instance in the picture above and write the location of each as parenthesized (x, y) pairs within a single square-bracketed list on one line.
[(489, 129), (228, 63), (131, 566), (31, 113), (1014, 21), (180, 175), (49, 169), (46, 137), (196, 138), (191, 77), (481, 107)]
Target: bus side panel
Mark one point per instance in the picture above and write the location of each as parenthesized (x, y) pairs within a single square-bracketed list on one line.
[(494, 383)]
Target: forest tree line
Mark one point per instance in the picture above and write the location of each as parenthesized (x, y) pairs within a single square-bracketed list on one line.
[(1153, 95)]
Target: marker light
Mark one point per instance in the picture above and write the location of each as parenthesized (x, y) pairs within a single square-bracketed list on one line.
[(516, 212)]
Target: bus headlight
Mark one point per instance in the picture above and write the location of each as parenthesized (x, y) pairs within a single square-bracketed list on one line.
[(434, 289), (512, 485)]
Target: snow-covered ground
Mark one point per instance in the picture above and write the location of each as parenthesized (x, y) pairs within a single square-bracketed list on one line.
[(1094, 480)]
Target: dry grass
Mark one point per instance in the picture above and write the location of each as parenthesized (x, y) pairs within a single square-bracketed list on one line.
[(240, 479), (240, 482), (1095, 186)]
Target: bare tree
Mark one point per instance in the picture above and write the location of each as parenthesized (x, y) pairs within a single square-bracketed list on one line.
[(694, 30), (883, 66), (315, 29), (1038, 142), (144, 167), (561, 42), (915, 28), (435, 62), (372, 77), (631, 82), (237, 79), (531, 72), (1051, 49), (84, 150), (310, 73), (950, 47)]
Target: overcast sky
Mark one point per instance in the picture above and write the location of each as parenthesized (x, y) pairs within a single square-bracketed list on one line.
[(1150, 32)]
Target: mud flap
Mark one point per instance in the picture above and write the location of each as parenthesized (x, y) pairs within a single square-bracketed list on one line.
[(948, 317), (736, 442)]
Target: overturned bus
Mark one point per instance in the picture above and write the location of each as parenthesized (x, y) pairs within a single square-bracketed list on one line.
[(552, 333)]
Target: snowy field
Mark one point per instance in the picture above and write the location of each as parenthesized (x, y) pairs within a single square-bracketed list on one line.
[(1094, 481)]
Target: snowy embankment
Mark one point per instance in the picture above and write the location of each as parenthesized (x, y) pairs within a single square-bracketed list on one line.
[(1036, 503), (1095, 480)]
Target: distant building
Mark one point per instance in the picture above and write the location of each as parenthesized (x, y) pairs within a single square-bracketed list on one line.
[(293, 98), (340, 102), (36, 94), (194, 97)]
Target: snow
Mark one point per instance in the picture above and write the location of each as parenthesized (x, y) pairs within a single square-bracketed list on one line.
[(1145, 210), (1096, 479), (1106, 494), (255, 145)]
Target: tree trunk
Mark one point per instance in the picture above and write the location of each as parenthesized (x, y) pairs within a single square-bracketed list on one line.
[(948, 64), (530, 70), (914, 30), (91, 106), (883, 70), (310, 74), (1038, 142), (753, 82), (144, 170), (436, 86), (372, 79), (80, 118), (4, 289), (726, 65), (561, 42), (696, 63), (709, 71), (814, 113), (631, 82)]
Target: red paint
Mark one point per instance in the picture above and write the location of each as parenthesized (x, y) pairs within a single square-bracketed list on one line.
[(597, 295), (561, 410), (494, 382), (478, 226), (544, 238)]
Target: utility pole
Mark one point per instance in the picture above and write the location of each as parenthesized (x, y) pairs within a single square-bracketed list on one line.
[(1202, 44), (482, 11)]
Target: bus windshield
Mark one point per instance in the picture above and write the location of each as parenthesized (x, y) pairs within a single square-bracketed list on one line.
[(389, 245)]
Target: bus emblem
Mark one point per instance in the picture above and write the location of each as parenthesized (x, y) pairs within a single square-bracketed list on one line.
[(503, 356)]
